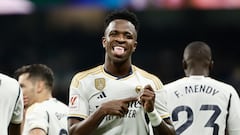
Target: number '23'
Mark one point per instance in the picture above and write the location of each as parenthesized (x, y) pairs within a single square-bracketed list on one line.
[(210, 122)]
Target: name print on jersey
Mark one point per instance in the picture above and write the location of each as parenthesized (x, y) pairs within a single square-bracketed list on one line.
[(194, 89)]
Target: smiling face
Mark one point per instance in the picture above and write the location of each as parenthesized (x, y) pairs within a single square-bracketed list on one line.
[(119, 40)]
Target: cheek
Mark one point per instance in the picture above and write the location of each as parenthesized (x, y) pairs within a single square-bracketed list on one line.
[(25, 91), (28, 91)]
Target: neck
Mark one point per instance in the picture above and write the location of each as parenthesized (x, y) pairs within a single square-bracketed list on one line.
[(44, 96), (202, 72), (117, 66), (118, 70)]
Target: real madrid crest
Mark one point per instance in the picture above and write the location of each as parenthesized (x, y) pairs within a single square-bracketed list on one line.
[(100, 83)]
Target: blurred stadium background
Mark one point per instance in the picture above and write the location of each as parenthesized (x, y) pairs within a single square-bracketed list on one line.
[(66, 35)]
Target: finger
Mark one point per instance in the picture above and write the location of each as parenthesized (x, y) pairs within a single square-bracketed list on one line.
[(145, 99), (149, 87), (124, 108), (119, 113), (130, 99), (148, 93)]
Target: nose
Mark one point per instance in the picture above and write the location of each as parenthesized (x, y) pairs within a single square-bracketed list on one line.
[(120, 38)]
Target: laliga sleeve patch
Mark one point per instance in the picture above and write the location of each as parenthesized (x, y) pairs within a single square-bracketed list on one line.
[(74, 101)]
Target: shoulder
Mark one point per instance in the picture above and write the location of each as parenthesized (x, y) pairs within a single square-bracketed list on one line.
[(220, 83), (94, 70), (36, 107), (4, 79), (60, 103), (83, 74), (52, 102), (10, 85), (176, 82), (148, 76), (144, 73)]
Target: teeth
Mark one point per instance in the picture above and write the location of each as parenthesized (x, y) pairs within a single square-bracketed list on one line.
[(118, 50)]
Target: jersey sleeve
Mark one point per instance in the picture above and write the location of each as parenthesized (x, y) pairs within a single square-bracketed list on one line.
[(36, 117), (78, 103), (161, 104), (160, 99), (234, 114), (17, 116)]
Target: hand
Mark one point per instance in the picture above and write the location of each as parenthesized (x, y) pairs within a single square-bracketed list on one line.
[(117, 107), (147, 99)]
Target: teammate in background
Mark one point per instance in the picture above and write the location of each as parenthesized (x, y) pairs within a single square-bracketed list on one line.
[(117, 97), (45, 115), (199, 104), (11, 104)]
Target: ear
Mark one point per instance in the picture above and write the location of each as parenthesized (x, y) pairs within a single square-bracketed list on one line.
[(135, 46), (40, 86), (211, 65), (104, 42), (184, 64)]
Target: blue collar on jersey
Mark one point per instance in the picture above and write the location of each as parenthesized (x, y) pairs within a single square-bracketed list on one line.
[(119, 77)]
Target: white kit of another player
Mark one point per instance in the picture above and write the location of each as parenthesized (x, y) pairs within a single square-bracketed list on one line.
[(11, 104), (204, 106)]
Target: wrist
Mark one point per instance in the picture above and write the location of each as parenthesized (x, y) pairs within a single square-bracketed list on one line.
[(154, 118)]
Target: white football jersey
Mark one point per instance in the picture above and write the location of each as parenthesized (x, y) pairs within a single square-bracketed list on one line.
[(91, 88), (49, 115), (203, 106), (11, 103)]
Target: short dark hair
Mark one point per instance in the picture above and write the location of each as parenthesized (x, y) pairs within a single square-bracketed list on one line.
[(122, 14), (40, 71)]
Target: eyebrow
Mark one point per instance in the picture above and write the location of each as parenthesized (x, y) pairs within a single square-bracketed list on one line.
[(124, 32)]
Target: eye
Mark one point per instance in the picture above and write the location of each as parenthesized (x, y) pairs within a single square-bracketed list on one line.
[(113, 33), (22, 85), (129, 36)]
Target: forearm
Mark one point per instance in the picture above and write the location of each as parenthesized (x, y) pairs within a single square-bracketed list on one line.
[(164, 129), (159, 125), (87, 126)]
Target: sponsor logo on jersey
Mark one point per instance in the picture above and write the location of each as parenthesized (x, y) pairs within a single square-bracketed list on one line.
[(100, 83), (73, 103)]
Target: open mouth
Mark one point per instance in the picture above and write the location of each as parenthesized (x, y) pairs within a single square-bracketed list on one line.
[(118, 50)]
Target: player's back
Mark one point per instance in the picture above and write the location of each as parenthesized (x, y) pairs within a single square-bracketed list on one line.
[(50, 115), (10, 97), (202, 105)]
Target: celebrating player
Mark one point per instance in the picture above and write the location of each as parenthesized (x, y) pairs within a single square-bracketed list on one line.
[(117, 97)]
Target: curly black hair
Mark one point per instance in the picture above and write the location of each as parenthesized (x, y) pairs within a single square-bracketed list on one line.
[(122, 14)]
